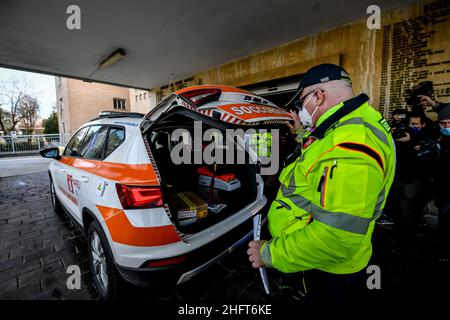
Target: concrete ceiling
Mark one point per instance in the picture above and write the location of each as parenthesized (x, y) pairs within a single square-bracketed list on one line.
[(160, 37)]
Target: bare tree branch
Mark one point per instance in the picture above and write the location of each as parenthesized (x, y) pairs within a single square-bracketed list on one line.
[(29, 111), (15, 101)]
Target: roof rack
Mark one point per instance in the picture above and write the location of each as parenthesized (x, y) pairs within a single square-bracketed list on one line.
[(118, 114)]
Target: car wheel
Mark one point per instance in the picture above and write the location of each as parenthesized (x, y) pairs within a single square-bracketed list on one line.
[(103, 270), (57, 207)]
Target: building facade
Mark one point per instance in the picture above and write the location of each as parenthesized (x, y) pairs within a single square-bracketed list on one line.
[(80, 101)]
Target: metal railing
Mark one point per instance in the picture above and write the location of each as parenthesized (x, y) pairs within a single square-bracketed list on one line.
[(29, 143)]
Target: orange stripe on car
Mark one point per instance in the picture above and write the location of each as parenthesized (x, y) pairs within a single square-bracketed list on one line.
[(123, 232), (132, 174), (247, 111)]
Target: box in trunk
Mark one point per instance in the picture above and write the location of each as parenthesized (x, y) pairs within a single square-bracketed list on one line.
[(189, 207)]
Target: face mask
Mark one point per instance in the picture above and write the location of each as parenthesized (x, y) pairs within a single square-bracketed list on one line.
[(445, 131), (305, 117), (415, 130)]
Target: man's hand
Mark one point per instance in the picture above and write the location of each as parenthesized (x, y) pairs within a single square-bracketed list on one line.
[(296, 123), (427, 99), (405, 138), (253, 253)]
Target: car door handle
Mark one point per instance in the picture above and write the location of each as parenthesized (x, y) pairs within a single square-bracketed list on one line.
[(85, 178), (63, 170)]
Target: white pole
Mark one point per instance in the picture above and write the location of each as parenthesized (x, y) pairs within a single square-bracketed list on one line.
[(257, 221), (12, 143)]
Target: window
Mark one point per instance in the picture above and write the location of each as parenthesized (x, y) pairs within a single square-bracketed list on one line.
[(115, 138), (145, 95), (72, 148), (94, 142), (119, 104)]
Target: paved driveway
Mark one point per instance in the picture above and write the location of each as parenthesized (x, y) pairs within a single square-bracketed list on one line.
[(37, 245), (12, 166)]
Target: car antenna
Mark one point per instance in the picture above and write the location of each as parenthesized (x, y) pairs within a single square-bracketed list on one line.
[(170, 83)]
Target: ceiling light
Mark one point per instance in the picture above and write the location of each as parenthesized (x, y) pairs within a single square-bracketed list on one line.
[(113, 58)]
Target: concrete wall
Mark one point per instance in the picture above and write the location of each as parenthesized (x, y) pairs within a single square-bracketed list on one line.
[(380, 62)]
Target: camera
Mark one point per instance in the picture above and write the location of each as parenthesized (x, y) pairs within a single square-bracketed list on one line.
[(398, 124), (424, 88), (399, 130), (427, 150)]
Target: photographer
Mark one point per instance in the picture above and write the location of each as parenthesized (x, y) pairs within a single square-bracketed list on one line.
[(416, 158), (399, 129)]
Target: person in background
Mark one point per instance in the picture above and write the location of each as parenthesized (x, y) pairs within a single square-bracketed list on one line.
[(416, 158)]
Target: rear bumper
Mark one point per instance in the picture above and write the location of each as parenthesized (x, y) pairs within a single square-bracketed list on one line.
[(196, 261), (133, 257)]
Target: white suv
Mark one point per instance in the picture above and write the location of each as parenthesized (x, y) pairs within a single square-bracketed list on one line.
[(116, 179)]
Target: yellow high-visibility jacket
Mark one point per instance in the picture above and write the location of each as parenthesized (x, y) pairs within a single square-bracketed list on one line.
[(325, 211)]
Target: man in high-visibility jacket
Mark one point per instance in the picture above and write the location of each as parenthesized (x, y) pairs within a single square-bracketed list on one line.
[(333, 187)]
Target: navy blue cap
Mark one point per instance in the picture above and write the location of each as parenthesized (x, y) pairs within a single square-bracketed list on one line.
[(322, 73), (319, 74)]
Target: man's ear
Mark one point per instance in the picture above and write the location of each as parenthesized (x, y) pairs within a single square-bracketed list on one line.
[(320, 98)]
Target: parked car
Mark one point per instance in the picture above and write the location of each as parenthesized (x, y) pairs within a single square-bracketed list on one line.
[(116, 179)]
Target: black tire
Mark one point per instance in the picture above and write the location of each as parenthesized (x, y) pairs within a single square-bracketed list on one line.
[(110, 290), (56, 204)]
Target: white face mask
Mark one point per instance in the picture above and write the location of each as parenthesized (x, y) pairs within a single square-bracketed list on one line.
[(305, 117)]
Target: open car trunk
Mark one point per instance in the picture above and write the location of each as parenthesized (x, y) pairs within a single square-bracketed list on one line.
[(234, 186)]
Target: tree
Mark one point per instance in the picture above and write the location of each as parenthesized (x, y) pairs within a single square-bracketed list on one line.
[(4, 120), (29, 110), (51, 123), (15, 103)]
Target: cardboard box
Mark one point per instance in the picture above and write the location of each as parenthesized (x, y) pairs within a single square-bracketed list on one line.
[(189, 207)]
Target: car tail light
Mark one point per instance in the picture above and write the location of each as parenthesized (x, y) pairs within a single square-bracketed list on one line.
[(202, 96), (135, 197), (165, 262)]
